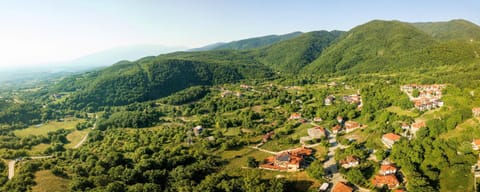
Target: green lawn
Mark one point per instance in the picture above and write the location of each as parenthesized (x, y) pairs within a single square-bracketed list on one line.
[(238, 159), (46, 181), (401, 112), (48, 127), (38, 149)]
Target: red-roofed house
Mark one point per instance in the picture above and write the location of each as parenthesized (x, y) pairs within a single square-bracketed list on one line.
[(336, 129), (388, 169), (267, 136), (351, 126), (295, 116), (476, 144), (416, 126), (350, 161), (340, 119), (476, 111), (342, 187), (390, 138), (287, 161), (390, 181)]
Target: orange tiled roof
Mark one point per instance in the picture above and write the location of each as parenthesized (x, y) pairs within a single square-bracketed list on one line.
[(476, 142), (392, 136), (419, 125), (380, 180), (341, 187), (337, 127), (349, 159), (388, 168)]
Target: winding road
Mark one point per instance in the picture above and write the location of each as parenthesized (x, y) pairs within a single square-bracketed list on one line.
[(11, 164)]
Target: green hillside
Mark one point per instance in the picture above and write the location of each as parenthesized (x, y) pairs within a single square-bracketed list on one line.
[(154, 77), (250, 43), (377, 46), (451, 30), (292, 55), (382, 46)]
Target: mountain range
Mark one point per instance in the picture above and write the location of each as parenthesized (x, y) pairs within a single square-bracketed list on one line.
[(373, 47)]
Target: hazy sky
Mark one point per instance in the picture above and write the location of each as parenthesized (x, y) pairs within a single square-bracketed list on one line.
[(45, 31)]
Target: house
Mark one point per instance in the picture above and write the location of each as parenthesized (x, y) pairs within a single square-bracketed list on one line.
[(336, 129), (317, 119), (351, 126), (387, 169), (350, 161), (226, 93), (340, 119), (390, 181), (390, 138), (476, 111), (267, 136), (418, 125), (476, 144), (353, 99), (295, 116), (342, 187), (316, 132), (332, 84), (405, 126), (329, 100), (287, 161), (197, 130)]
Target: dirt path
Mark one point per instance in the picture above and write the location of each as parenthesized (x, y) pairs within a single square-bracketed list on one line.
[(11, 164), (11, 169), (81, 142)]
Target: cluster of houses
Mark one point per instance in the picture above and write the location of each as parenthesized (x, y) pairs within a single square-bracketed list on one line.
[(429, 95), (414, 127), (352, 99), (348, 126), (293, 160), (386, 176)]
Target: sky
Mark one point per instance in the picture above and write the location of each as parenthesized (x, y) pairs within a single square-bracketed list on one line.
[(34, 32)]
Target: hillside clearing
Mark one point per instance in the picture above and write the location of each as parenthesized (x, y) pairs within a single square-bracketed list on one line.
[(48, 182)]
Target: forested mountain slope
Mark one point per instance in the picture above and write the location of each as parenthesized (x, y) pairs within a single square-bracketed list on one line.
[(251, 43), (386, 46)]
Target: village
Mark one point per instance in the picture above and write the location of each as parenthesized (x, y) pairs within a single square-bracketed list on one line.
[(389, 176)]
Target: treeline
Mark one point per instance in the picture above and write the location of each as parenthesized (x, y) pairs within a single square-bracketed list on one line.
[(186, 96), (136, 115)]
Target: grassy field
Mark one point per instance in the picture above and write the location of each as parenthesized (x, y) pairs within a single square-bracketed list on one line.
[(48, 127), (238, 158), (297, 181), (275, 145), (38, 149), (75, 137), (464, 131), (401, 112), (48, 182)]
